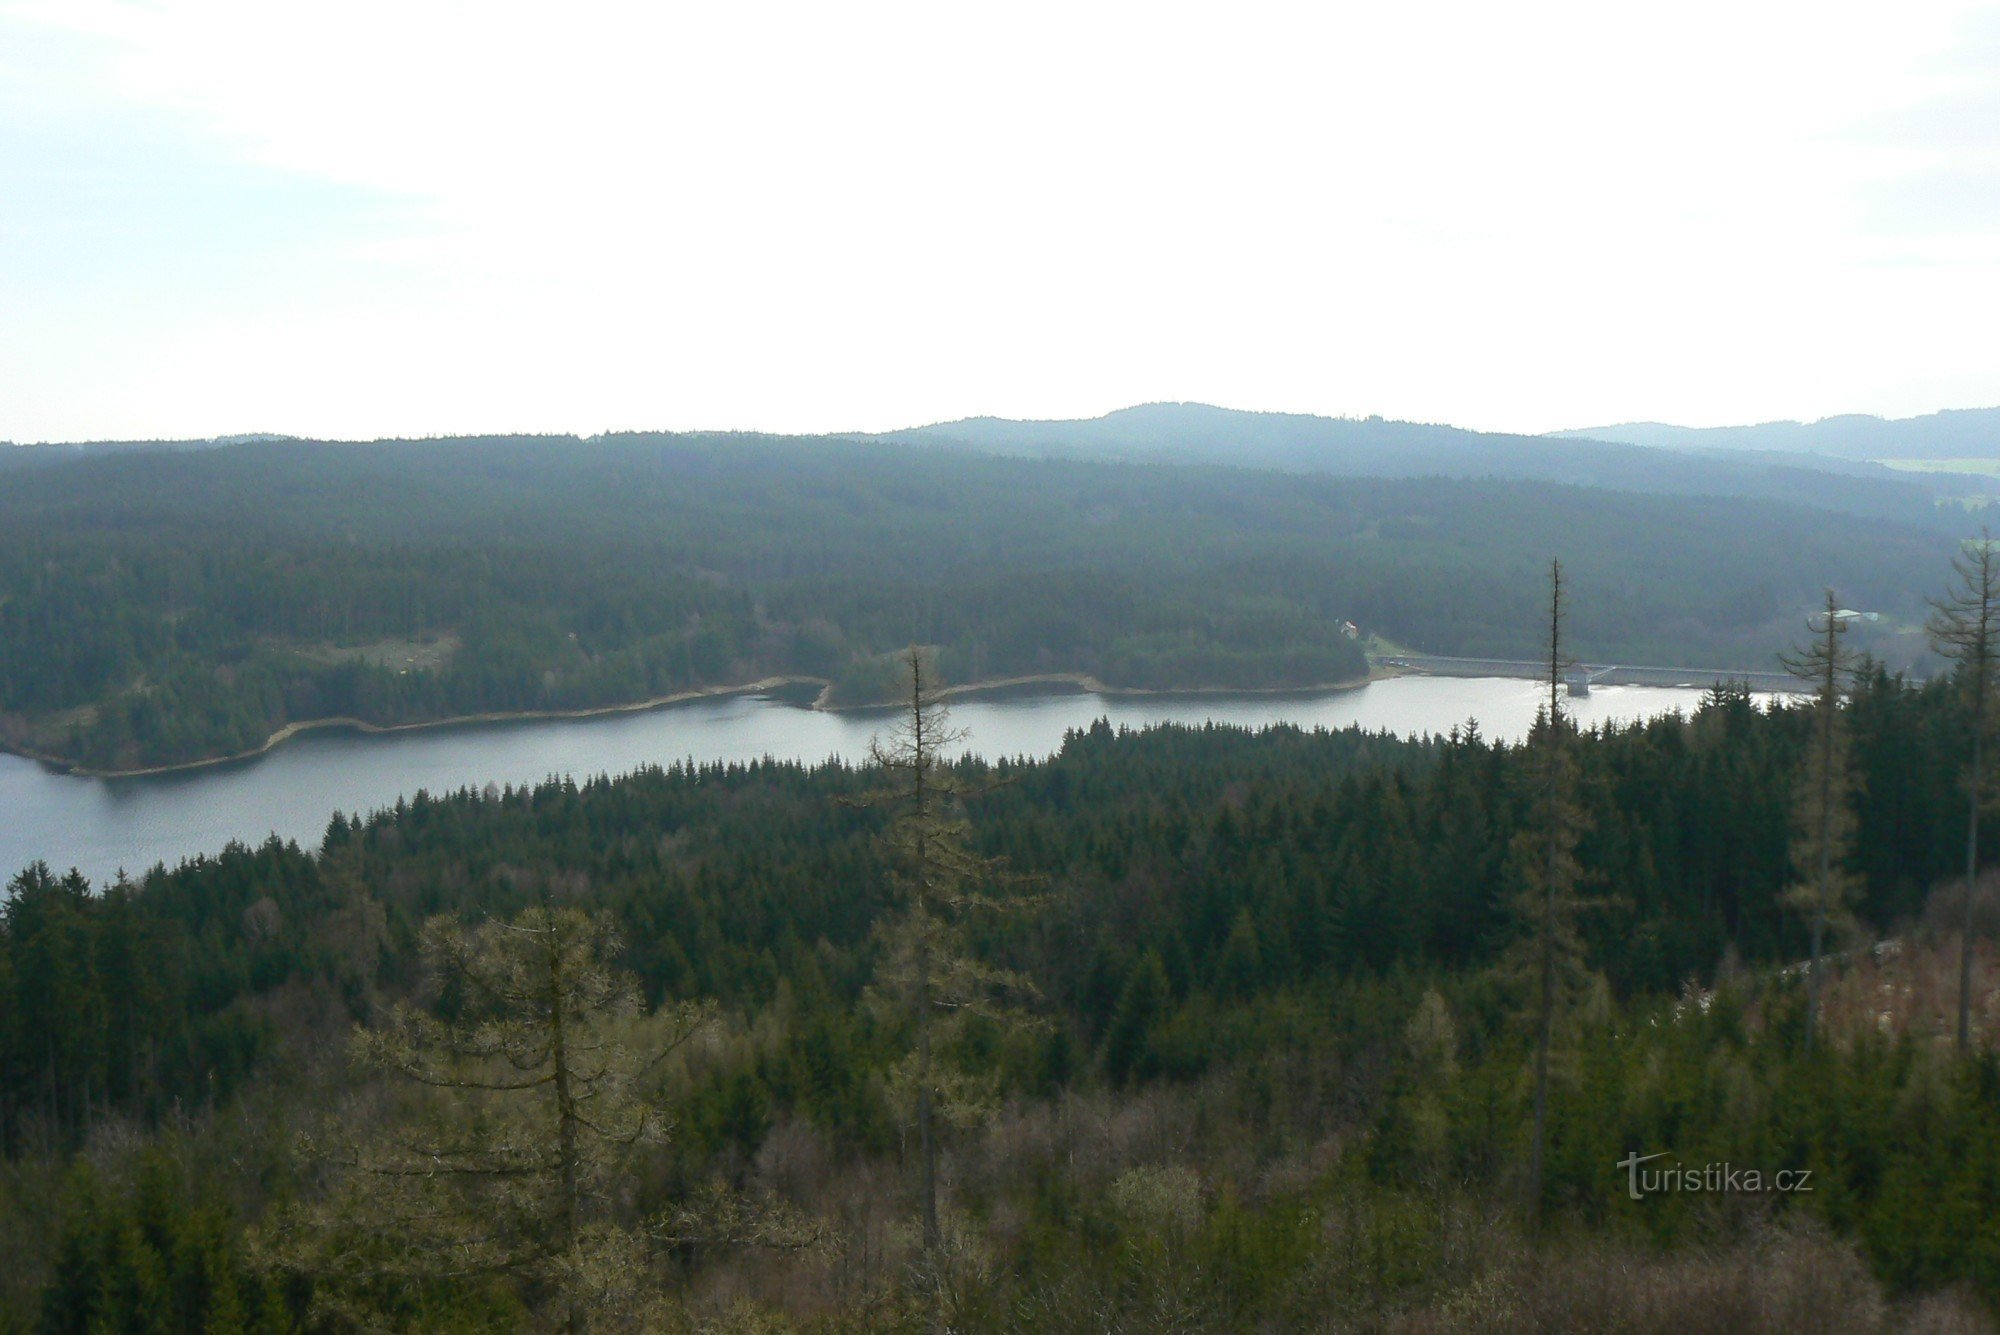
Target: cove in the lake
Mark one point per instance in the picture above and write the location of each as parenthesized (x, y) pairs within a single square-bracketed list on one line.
[(101, 825)]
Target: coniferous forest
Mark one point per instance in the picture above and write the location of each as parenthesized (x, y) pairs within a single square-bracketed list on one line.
[(918, 864), (160, 606), (1680, 1024), (1188, 1028)]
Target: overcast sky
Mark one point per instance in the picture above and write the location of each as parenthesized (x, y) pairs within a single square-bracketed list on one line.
[(404, 218)]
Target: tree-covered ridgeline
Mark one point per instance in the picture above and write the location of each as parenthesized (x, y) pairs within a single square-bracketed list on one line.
[(159, 607), (1279, 1065)]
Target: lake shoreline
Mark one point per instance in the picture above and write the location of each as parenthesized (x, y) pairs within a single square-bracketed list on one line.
[(101, 826), (1084, 682)]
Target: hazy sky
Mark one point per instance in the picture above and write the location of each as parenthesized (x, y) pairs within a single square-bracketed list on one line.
[(367, 219)]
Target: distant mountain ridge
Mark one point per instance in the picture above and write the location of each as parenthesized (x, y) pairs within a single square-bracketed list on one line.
[(33, 456), (1197, 433), (1956, 433), (1828, 465)]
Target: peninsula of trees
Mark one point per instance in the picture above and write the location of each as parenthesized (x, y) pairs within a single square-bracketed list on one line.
[(652, 1053)]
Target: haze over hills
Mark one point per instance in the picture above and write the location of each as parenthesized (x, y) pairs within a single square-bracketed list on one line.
[(1187, 432), (159, 606), (1195, 433), (14, 458), (1771, 458), (1958, 433), (1831, 465)]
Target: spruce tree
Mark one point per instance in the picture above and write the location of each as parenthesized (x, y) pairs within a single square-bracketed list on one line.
[(1141, 1007)]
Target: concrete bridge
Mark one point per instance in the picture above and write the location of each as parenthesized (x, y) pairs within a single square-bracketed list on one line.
[(1580, 677)]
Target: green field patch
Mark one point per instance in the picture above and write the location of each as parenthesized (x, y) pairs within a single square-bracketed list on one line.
[(420, 655), (1981, 467)]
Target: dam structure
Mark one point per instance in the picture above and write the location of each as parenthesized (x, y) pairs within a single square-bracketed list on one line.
[(1580, 677)]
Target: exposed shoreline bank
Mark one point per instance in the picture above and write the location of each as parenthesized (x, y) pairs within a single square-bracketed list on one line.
[(1083, 681)]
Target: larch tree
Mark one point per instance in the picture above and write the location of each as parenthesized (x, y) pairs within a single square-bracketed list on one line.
[(1965, 627), (514, 1105), (1823, 823), (928, 974)]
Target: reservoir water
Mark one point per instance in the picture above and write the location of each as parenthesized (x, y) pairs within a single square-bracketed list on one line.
[(102, 825)]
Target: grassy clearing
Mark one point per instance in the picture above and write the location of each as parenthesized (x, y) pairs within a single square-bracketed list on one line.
[(1977, 467), (426, 655)]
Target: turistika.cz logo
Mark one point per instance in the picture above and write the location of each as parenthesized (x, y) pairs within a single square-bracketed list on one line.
[(1715, 1178)]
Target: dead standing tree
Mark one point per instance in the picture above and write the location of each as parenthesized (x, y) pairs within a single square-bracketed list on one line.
[(1549, 950), (1965, 627), (1823, 823)]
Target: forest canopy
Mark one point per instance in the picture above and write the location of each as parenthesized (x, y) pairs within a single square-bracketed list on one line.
[(160, 606), (1269, 1064)]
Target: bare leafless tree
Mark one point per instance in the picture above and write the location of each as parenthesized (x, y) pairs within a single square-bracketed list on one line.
[(1965, 627), (1550, 950), (1823, 825)]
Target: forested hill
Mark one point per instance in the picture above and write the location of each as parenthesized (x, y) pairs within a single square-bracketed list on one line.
[(1959, 433), (1374, 447), (163, 606), (17, 457)]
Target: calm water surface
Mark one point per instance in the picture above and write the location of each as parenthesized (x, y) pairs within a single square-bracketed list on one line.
[(102, 825)]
